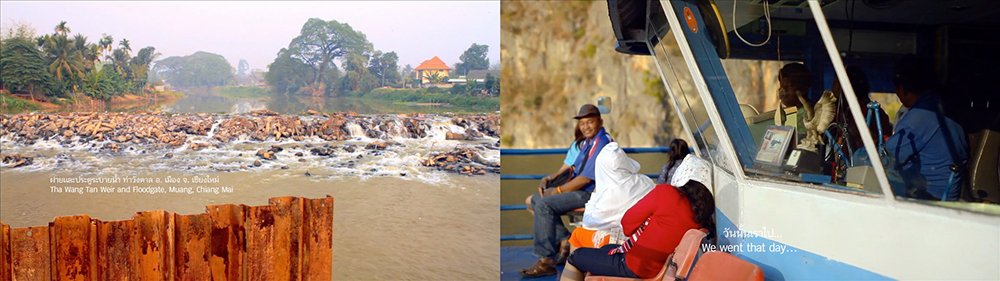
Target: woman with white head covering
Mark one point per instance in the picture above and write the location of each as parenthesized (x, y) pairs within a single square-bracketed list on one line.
[(654, 225), (618, 186)]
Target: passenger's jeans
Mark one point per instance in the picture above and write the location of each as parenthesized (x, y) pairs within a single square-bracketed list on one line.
[(598, 262), (548, 227)]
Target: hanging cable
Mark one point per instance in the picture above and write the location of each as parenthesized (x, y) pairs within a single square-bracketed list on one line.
[(767, 16)]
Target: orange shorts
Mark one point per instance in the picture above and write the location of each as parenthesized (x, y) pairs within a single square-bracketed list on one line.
[(584, 238)]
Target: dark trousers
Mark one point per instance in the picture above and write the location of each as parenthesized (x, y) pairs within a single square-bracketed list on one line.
[(598, 262), (548, 228)]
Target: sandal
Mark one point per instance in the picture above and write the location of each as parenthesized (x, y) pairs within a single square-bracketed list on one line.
[(540, 269)]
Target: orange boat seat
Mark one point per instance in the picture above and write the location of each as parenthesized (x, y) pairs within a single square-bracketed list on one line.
[(717, 265)]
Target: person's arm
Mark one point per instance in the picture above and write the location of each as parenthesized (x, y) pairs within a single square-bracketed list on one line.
[(901, 145), (586, 174), (545, 181), (571, 155), (574, 184), (560, 171), (641, 211)]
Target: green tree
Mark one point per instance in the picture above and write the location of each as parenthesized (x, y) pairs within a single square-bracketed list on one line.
[(106, 43), (64, 60), (104, 83), (473, 59), (242, 68), (320, 43), (17, 29), (119, 60), (492, 85), (288, 74), (408, 74), (22, 67), (437, 78), (198, 69), (385, 67), (62, 29), (358, 77), (125, 45), (140, 65)]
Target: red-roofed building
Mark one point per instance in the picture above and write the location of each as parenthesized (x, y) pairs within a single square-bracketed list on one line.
[(431, 67)]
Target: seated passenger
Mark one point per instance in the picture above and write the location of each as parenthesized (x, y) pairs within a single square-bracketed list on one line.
[(926, 144), (551, 202), (654, 225), (794, 80), (678, 149), (566, 169), (618, 186)]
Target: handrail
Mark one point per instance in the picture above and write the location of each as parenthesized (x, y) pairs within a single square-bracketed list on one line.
[(557, 151), (516, 237), (554, 151), (513, 207)]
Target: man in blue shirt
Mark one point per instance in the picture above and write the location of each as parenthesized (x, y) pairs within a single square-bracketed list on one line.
[(927, 145), (551, 203)]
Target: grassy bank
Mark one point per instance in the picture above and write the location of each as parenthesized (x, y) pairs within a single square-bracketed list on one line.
[(242, 92), (460, 103), (11, 104)]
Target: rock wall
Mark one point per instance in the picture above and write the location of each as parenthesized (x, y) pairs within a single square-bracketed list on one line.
[(558, 56)]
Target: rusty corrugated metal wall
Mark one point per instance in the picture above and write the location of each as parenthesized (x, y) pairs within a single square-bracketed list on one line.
[(290, 239)]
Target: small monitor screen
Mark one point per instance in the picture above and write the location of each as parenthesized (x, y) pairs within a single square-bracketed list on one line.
[(775, 144)]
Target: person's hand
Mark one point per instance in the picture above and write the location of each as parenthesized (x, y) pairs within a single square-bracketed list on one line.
[(541, 191), (551, 191), (543, 183)]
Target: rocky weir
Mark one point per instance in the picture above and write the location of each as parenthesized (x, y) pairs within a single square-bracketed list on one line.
[(466, 144)]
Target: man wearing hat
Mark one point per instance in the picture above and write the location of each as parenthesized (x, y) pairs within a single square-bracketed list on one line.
[(552, 202)]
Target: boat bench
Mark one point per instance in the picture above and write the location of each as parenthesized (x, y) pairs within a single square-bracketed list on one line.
[(688, 262)]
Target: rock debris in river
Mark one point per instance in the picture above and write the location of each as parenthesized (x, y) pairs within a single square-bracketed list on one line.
[(16, 160), (462, 160), (151, 131)]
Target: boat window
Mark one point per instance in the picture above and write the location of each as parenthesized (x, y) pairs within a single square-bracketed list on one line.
[(814, 141), (689, 111), (795, 118)]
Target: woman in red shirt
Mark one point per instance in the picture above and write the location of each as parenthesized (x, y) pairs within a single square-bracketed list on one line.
[(654, 226)]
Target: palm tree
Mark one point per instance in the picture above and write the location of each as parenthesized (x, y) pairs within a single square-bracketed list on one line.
[(140, 65), (106, 42), (80, 46), (120, 58), (40, 40), (79, 41), (93, 54), (66, 62), (62, 29), (124, 44)]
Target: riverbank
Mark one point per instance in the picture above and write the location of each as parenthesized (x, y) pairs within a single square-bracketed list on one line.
[(10, 104)]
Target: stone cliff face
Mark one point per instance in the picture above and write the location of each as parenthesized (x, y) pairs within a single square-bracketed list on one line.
[(557, 56)]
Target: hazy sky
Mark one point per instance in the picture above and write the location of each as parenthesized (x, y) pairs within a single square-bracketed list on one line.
[(256, 31)]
